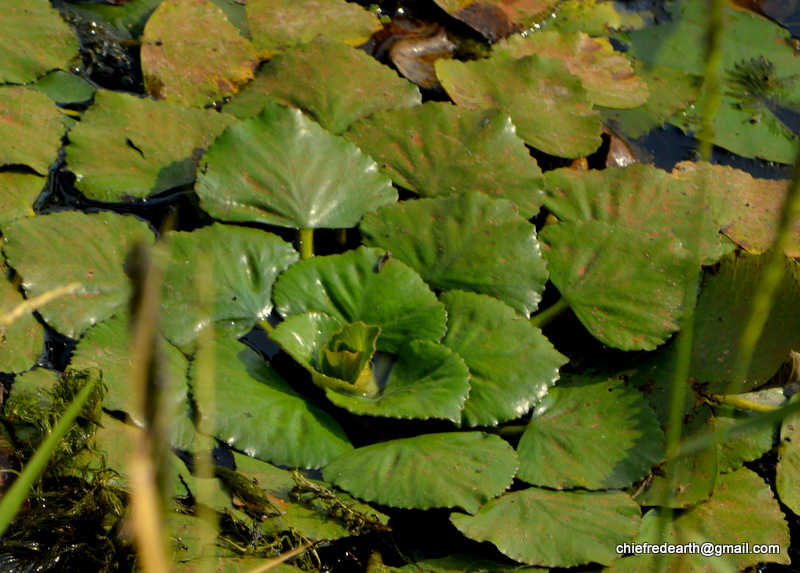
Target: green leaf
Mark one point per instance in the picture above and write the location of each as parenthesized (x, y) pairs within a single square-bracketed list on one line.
[(177, 39), (679, 44), (606, 74), (547, 104), (591, 435), (65, 88), (433, 470), (281, 168), (438, 149), (523, 525), (244, 264), (490, 17), (749, 446), (742, 510), (624, 287), (334, 84), (108, 347), (511, 363), (787, 478), (148, 146), (21, 342), (465, 562), (277, 24), (428, 380), (33, 40), (353, 288), (639, 197), (746, 209), (722, 311), (31, 128), (314, 520), (348, 351), (258, 413), (671, 91), (91, 250), (18, 192), (598, 17), (467, 242)]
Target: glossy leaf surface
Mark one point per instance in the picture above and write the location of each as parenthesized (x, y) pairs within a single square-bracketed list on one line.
[(433, 470), (467, 242), (244, 264), (511, 363), (352, 288), (275, 423), (281, 168)]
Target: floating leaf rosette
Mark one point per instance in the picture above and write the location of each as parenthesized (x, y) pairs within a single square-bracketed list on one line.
[(427, 380), (332, 83), (588, 525), (511, 363), (183, 63), (547, 104), (274, 423), (280, 24), (434, 470), (92, 252), (467, 242), (439, 149), (31, 128), (244, 264), (281, 168), (148, 146), (356, 287), (33, 40)]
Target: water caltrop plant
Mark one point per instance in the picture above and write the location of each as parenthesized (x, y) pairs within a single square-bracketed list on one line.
[(375, 299)]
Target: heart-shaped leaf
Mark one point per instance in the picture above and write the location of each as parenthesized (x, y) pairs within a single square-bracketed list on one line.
[(92, 250), (625, 289), (183, 63), (438, 149), (548, 104), (31, 128), (467, 242), (433, 470), (511, 363), (257, 412), (244, 264), (332, 83), (564, 446), (281, 168), (354, 287), (148, 146), (522, 524)]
